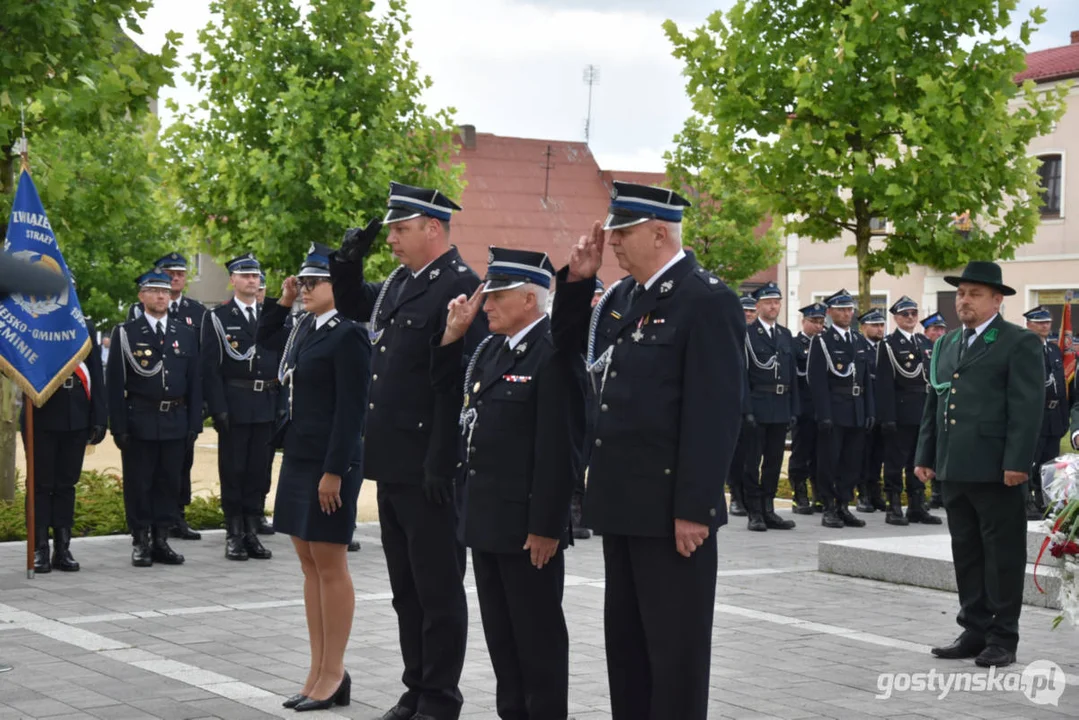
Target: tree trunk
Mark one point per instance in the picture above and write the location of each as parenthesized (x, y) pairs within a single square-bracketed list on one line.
[(9, 392), (865, 276)]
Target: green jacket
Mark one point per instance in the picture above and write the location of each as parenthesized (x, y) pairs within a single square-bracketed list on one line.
[(986, 412)]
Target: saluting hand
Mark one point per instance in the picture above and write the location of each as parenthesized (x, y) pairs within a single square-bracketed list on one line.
[(462, 311), (329, 493), (586, 257), (543, 549), (289, 291), (688, 536)]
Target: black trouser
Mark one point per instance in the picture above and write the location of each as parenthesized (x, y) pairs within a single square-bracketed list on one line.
[(58, 460), (988, 525), (764, 459), (152, 471), (803, 462), (657, 621), (521, 608), (184, 492), (242, 456), (420, 542), (899, 450), (839, 462), (874, 457), (736, 474), (1048, 449)]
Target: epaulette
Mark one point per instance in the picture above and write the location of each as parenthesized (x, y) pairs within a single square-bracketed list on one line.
[(708, 278), (333, 322)]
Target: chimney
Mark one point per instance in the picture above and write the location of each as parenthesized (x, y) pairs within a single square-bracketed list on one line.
[(1075, 37), (468, 136)]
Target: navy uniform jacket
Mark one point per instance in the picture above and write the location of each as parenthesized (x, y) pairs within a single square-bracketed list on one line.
[(411, 429), (773, 394), (801, 346), (69, 408), (834, 397), (902, 378), (669, 414), (330, 373), (1055, 420), (189, 313), (134, 400), (230, 385), (525, 444)]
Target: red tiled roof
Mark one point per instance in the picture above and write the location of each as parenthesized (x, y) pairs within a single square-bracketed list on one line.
[(1053, 64)]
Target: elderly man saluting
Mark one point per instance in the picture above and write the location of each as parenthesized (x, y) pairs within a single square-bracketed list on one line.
[(978, 435)]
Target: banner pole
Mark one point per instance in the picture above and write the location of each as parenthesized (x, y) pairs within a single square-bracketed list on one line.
[(30, 524)]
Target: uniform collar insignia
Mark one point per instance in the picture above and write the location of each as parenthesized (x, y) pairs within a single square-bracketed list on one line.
[(434, 274), (521, 348), (667, 286)]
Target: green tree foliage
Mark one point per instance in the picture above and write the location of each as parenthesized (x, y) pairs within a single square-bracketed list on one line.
[(307, 116), (839, 112), (67, 64), (724, 227), (107, 203)]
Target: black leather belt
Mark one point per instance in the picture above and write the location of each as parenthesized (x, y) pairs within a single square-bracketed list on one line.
[(852, 390), (256, 385), (778, 388), (166, 405)]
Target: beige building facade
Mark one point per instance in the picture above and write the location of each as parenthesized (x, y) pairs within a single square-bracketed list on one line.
[(1041, 271)]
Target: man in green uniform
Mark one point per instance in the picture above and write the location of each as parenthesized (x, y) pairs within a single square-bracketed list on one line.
[(978, 435)]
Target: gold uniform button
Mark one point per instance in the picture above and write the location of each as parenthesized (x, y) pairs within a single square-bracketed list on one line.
[(614, 373), (374, 377), (599, 443), (952, 406), (666, 471), (953, 421), (603, 407), (955, 377), (382, 349), (954, 391), (371, 406), (712, 512)]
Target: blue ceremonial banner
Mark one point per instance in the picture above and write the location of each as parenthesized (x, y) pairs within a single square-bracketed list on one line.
[(42, 339)]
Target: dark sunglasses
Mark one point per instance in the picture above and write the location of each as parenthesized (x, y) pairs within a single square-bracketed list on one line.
[(309, 283)]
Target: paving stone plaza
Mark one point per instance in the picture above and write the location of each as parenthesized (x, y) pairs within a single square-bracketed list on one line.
[(218, 639)]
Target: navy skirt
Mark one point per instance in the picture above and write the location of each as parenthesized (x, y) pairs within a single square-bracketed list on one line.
[(296, 509)]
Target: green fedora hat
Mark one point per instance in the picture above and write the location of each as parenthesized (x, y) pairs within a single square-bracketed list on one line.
[(983, 273)]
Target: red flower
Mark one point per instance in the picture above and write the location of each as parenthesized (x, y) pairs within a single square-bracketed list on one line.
[(1069, 548)]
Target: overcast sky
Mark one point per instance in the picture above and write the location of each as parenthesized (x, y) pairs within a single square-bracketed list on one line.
[(513, 67)]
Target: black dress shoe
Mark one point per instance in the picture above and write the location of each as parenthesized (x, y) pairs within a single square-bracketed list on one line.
[(847, 518), (737, 509), (183, 531), (830, 519), (960, 649), (398, 712), (994, 656), (756, 523), (342, 696), (294, 701), (864, 505), (354, 546)]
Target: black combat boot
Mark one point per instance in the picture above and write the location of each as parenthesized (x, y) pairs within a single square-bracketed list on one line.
[(251, 540), (41, 550), (62, 558), (161, 552), (234, 538), (830, 518), (917, 512), (141, 553), (895, 510), (773, 521), (846, 517), (864, 505), (801, 504)]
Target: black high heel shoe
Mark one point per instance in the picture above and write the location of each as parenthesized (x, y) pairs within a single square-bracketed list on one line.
[(294, 700), (342, 696)]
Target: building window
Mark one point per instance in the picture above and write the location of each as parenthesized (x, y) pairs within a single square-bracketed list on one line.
[(1050, 174), (878, 225)]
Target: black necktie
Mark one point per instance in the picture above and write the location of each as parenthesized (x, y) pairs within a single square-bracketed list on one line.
[(160, 333), (401, 289), (251, 317), (635, 293), (174, 307), (968, 333), (769, 331)]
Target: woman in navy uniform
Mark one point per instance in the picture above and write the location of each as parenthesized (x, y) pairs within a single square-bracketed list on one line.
[(523, 419), (155, 412), (326, 371), (74, 417)]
